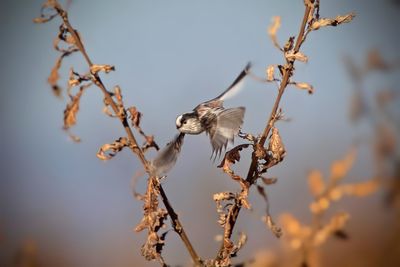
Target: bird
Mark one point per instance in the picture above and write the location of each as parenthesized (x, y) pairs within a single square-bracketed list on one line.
[(219, 123)]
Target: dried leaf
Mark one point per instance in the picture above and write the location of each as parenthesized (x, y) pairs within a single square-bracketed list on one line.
[(267, 219), (269, 181), (230, 250), (360, 189), (108, 112), (66, 38), (340, 168), (341, 234), (153, 220), (270, 73), (259, 151), (375, 61), (292, 226), (73, 137), (218, 197), (304, 86), (149, 143), (336, 223), (276, 230), (276, 146), (273, 29), (72, 108), (232, 155), (241, 242), (48, 5), (107, 151), (230, 158), (76, 79), (319, 205), (355, 71), (296, 56), (332, 22), (95, 68), (316, 183), (242, 199), (135, 116), (55, 76), (335, 194)]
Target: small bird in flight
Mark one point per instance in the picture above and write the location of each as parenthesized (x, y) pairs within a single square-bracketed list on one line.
[(220, 124)]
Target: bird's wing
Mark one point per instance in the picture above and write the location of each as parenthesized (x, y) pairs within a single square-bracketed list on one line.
[(235, 87), (228, 93), (166, 157), (225, 127)]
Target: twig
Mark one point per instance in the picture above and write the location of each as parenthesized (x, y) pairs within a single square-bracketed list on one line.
[(176, 224), (251, 175)]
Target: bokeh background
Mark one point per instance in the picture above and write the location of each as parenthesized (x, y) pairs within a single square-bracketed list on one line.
[(58, 199)]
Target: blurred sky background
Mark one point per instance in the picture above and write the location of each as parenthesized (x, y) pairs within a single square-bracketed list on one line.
[(170, 56)]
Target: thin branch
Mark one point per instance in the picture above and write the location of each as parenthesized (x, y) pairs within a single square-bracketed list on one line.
[(251, 175), (176, 224)]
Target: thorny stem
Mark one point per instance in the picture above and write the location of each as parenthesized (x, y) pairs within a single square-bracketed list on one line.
[(176, 224), (251, 175)]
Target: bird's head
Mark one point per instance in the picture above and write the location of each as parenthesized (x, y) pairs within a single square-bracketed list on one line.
[(189, 123)]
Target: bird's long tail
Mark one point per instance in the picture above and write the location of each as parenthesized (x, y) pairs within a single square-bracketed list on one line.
[(167, 157)]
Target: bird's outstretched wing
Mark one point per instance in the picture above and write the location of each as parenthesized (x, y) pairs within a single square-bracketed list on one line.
[(166, 157), (226, 126), (228, 93), (235, 87)]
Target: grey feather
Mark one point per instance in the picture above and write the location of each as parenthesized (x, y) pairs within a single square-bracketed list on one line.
[(167, 157), (236, 85), (226, 126)]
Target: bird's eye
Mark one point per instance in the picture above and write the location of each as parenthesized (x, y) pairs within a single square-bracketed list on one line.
[(184, 121)]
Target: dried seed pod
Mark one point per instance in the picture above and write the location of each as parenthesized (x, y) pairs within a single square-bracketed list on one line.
[(276, 146)]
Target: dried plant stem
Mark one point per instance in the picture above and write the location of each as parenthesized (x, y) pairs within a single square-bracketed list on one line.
[(176, 224), (251, 175), (178, 228)]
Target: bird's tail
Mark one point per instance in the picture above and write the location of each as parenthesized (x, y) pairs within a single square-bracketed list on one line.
[(167, 157)]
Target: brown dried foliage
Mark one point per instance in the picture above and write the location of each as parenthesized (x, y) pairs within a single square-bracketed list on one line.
[(152, 221), (384, 124), (264, 156), (305, 239), (154, 216)]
